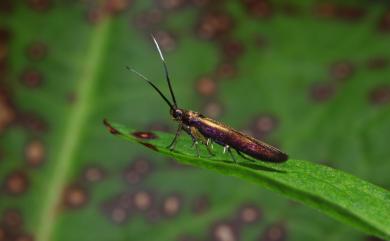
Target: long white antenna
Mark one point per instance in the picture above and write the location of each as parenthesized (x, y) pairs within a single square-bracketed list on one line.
[(158, 48)]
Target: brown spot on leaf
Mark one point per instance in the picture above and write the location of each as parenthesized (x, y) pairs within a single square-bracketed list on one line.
[(24, 237), (276, 232), (258, 8), (94, 15), (94, 174), (171, 4), (380, 95), (213, 109), (321, 92), (139, 169), (350, 13), (378, 63), (142, 200), (31, 78), (150, 146), (201, 205), (144, 135), (232, 49), (226, 70), (384, 22), (7, 113), (224, 231), (12, 219), (171, 205), (6, 6), (34, 153), (36, 51), (32, 121), (111, 129), (148, 18), (119, 215), (75, 196), (16, 183), (114, 7), (206, 86), (201, 3), (166, 40), (213, 25), (40, 5), (341, 70), (264, 124), (248, 214)]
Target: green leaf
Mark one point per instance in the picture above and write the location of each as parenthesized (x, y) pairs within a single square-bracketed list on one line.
[(333, 192)]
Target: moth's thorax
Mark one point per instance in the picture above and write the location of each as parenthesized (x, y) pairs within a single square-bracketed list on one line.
[(186, 116)]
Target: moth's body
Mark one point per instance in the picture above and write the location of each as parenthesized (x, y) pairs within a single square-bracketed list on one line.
[(206, 130)]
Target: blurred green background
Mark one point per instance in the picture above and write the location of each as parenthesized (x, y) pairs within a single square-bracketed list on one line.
[(310, 77)]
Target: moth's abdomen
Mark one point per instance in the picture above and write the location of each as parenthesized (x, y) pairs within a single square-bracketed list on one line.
[(225, 135)]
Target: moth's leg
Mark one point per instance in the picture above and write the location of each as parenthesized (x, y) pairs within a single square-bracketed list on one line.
[(227, 148), (174, 141), (194, 139), (208, 144)]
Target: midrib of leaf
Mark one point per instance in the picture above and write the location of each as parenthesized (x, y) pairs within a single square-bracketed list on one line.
[(73, 131)]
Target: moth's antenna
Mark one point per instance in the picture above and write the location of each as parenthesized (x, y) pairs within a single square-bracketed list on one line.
[(166, 71), (154, 87)]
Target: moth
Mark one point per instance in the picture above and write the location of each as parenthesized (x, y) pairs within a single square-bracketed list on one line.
[(206, 131)]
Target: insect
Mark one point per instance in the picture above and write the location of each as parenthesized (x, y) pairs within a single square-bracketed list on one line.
[(205, 130)]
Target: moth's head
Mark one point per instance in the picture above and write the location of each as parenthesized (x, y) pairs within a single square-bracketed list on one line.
[(177, 114)]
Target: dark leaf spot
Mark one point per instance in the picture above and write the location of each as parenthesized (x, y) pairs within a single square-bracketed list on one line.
[(75, 196), (24, 237), (321, 92), (171, 4), (258, 8), (201, 205), (94, 16), (248, 214), (224, 231), (6, 6), (380, 95), (171, 205), (150, 146), (275, 232), (341, 70), (7, 113), (263, 125), (16, 183), (39, 5), (213, 25), (114, 7), (139, 169), (166, 40), (142, 200), (149, 18), (384, 22), (94, 174), (213, 109), (111, 129), (232, 49), (34, 153), (31, 78), (12, 219), (206, 86), (144, 135), (377, 63), (33, 122), (37, 51), (226, 70)]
